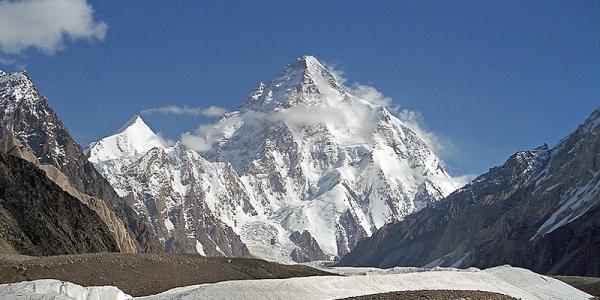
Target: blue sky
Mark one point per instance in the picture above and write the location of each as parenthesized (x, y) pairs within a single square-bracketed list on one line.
[(489, 77)]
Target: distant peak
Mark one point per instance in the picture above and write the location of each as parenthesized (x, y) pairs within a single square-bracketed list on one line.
[(135, 122), (309, 59), (308, 63), (179, 145), (132, 139), (15, 76), (305, 82), (592, 122)]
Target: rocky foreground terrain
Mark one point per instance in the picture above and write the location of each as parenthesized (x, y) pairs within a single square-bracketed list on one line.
[(590, 285), (155, 275), (30, 224), (143, 274), (435, 295)]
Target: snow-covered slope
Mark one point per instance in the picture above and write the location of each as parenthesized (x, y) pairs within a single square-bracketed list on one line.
[(323, 166), (311, 165), (46, 289), (176, 190), (515, 282)]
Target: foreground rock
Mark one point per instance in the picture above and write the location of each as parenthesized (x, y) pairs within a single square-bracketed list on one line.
[(435, 295), (506, 280), (590, 285), (38, 218), (143, 274), (27, 120)]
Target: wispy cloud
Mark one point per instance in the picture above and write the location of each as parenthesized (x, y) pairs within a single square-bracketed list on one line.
[(12, 63), (211, 111), (46, 24), (351, 118)]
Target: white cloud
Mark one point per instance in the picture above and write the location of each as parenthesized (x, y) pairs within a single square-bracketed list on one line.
[(414, 120), (371, 94), (206, 134), (167, 142), (46, 24), (211, 111)]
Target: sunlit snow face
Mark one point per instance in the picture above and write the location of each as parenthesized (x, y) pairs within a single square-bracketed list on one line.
[(347, 116)]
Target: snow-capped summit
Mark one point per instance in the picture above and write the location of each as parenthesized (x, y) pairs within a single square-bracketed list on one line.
[(131, 140), (305, 169), (25, 113), (304, 82), (19, 90), (324, 166)]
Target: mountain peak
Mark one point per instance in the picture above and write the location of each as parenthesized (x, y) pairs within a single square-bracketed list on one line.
[(308, 63), (136, 122), (592, 122), (305, 82), (15, 77), (308, 58), (132, 139)]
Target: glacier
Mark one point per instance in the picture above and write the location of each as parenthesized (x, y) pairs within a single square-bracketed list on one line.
[(511, 281)]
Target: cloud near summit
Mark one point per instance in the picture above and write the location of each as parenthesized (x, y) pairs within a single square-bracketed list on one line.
[(355, 118), (211, 111), (46, 24)]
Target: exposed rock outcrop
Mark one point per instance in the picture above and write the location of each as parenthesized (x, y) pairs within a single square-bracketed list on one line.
[(540, 210), (38, 218), (26, 116), (125, 242)]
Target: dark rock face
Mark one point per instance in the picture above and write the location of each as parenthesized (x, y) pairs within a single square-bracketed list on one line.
[(216, 238), (26, 115), (349, 232), (540, 210), (308, 250), (38, 218)]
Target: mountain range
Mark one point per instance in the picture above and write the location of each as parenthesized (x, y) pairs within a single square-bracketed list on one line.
[(302, 171), (305, 169)]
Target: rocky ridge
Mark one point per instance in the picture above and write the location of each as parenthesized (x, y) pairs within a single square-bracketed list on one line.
[(539, 210), (30, 129)]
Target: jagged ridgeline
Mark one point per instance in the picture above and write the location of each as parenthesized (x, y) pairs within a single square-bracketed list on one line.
[(31, 130), (304, 169), (540, 210)]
